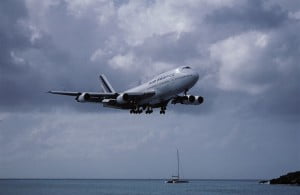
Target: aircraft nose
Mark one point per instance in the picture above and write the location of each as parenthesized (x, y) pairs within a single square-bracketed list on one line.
[(196, 76)]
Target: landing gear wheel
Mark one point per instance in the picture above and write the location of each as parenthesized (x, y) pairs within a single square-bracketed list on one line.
[(163, 110), (148, 109)]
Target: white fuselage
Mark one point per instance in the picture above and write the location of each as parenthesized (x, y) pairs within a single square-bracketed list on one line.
[(168, 85)]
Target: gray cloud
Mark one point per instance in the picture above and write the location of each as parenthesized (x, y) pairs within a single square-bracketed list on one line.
[(14, 38), (12, 35), (249, 15), (246, 53), (56, 141)]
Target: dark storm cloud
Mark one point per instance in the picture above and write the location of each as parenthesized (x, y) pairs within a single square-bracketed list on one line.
[(58, 53), (275, 66), (13, 38), (12, 35), (28, 68), (247, 130), (282, 98), (61, 57), (249, 15), (185, 46)]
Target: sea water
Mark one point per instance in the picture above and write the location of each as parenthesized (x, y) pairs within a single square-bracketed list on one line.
[(139, 187)]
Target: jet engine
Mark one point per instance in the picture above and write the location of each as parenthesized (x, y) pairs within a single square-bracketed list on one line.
[(189, 100), (199, 99), (83, 97), (122, 98)]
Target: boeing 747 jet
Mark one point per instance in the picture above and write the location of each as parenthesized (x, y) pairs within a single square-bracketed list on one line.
[(156, 93)]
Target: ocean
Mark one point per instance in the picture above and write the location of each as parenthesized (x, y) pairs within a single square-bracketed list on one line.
[(138, 187)]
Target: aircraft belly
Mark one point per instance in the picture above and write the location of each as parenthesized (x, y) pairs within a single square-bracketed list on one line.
[(152, 100), (118, 106), (163, 93)]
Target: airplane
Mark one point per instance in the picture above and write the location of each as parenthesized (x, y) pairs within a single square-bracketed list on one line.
[(156, 93)]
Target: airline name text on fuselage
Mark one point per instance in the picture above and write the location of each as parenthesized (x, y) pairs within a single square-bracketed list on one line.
[(161, 78)]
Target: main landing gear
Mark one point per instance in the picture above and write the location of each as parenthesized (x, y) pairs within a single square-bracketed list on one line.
[(148, 110), (139, 110), (163, 110), (136, 110)]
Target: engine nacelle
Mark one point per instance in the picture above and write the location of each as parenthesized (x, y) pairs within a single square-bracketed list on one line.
[(123, 98), (84, 97), (191, 100), (188, 99), (198, 100)]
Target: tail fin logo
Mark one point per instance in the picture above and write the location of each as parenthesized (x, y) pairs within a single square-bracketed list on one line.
[(106, 86)]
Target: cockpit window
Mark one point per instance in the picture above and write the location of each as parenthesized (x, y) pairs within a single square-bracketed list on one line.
[(186, 67)]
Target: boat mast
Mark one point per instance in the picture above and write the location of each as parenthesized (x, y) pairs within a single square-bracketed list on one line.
[(177, 163)]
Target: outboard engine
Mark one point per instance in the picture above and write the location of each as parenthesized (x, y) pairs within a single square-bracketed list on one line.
[(123, 98), (196, 100), (199, 99), (188, 99), (84, 97)]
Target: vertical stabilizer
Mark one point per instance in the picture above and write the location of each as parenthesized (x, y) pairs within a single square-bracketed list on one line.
[(106, 86)]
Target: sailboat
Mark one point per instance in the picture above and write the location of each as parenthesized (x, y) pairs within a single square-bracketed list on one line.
[(176, 178)]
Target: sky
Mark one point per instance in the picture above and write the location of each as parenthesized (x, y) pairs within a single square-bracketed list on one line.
[(247, 53)]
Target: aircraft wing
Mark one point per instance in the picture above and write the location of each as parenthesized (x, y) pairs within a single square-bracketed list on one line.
[(98, 97), (69, 93), (91, 94), (87, 96)]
